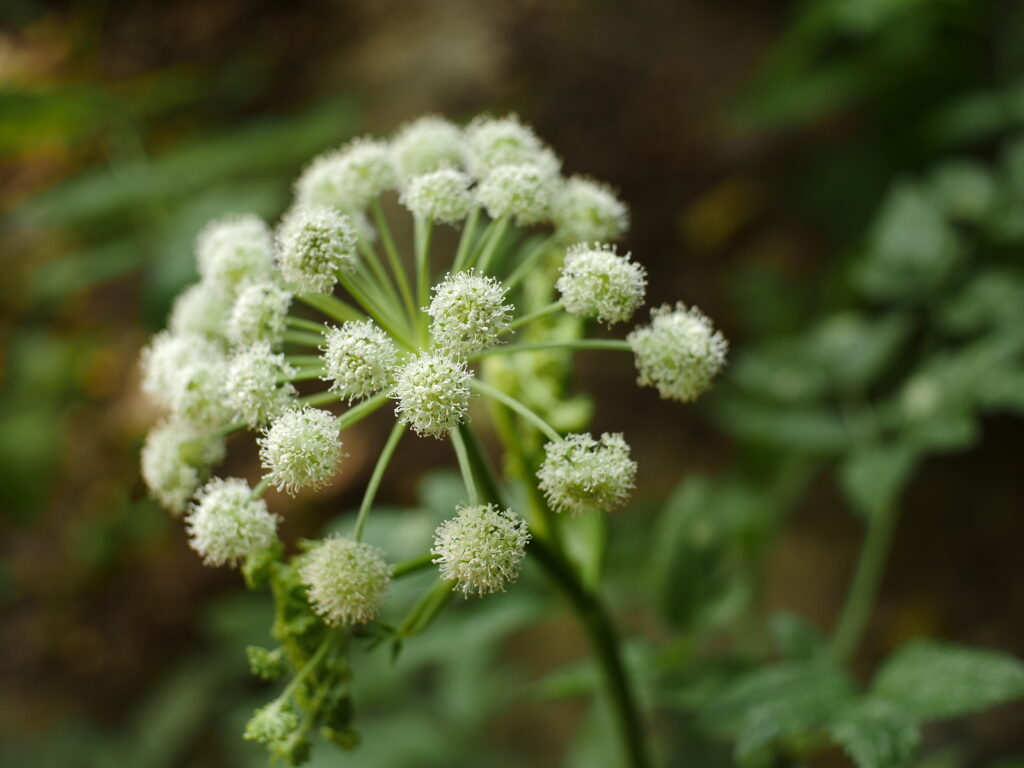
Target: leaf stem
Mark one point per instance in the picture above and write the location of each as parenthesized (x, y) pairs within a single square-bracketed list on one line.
[(486, 389), (464, 466), (535, 315), (510, 349), (378, 474), (865, 585), (394, 260), (466, 240)]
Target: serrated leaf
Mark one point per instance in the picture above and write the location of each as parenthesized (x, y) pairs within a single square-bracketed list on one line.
[(877, 734), (940, 680), (782, 701), (912, 248), (795, 636), (873, 477)]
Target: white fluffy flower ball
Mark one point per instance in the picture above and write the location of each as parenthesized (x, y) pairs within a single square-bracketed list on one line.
[(301, 449), (481, 548), (523, 191), (359, 359), (582, 475), (432, 390), (259, 314), (346, 580), (254, 385), (314, 245), (200, 310), (349, 178), (468, 313), (597, 282), (233, 250), (426, 145), (226, 524), (492, 142), (175, 459), (441, 196), (680, 353), (587, 211)]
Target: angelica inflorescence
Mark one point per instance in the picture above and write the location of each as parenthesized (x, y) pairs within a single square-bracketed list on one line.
[(327, 296)]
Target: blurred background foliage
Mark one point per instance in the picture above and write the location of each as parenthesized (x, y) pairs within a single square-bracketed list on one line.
[(839, 183)]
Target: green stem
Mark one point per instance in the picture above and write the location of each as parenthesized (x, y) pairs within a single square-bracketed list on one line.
[(305, 338), (313, 663), (486, 389), (491, 245), (302, 359), (866, 581), (227, 429), (464, 466), (306, 373), (261, 486), (511, 349), (393, 258), (372, 260), (427, 609), (413, 566), (536, 315), (332, 306), (378, 474), (375, 312), (605, 642), (591, 612), (319, 398), (466, 240), (424, 228), (357, 413), (528, 261), (307, 325)]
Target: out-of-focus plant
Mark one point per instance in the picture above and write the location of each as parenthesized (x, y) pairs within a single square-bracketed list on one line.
[(928, 340)]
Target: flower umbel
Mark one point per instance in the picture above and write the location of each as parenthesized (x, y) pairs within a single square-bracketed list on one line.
[(432, 390), (582, 475), (301, 449), (347, 580), (679, 352), (468, 313), (481, 548), (227, 524)]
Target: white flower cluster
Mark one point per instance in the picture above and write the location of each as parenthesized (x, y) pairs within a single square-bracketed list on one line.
[(347, 580), (679, 352), (468, 313), (432, 390), (481, 548), (233, 354), (582, 475), (359, 359), (597, 282)]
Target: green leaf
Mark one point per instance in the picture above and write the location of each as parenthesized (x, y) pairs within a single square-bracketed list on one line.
[(872, 477), (783, 701), (964, 189), (876, 734), (795, 636), (940, 680), (799, 429), (912, 248)]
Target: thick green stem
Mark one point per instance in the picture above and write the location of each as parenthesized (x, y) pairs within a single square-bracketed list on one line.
[(595, 620), (424, 228), (486, 389), (605, 642), (510, 349), (332, 306), (427, 609), (357, 413), (304, 338), (319, 398), (378, 474), (414, 565), (261, 486), (866, 581), (306, 325)]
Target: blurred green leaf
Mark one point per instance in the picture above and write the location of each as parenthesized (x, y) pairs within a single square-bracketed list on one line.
[(796, 637), (936, 680), (876, 734), (873, 476), (782, 701), (912, 249)]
